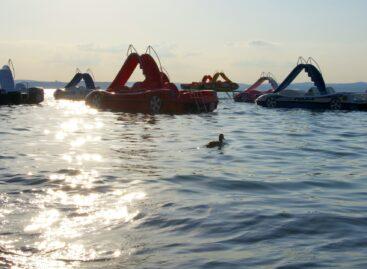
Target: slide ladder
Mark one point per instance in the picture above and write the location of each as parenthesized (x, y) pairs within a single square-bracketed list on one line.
[(199, 101)]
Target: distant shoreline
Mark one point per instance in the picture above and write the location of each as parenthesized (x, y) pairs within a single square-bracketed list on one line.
[(357, 86)]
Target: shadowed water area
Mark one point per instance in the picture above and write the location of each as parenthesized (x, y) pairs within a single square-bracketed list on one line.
[(86, 189)]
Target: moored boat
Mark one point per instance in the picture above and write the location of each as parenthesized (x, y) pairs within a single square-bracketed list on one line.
[(213, 83), (73, 90), (156, 94), (12, 93), (318, 97)]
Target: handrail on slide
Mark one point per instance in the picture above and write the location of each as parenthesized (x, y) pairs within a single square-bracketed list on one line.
[(90, 71), (162, 69), (309, 60), (301, 60), (267, 75), (10, 64), (149, 50), (167, 74), (263, 77), (130, 50), (222, 75), (312, 61)]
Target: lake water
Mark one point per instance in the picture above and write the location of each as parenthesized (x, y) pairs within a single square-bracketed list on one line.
[(86, 189)]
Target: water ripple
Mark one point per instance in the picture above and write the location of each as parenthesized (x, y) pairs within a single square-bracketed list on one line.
[(88, 189)]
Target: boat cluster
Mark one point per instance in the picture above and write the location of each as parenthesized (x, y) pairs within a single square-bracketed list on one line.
[(157, 94)]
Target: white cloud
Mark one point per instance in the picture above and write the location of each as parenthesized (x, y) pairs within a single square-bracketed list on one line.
[(92, 47), (167, 50), (262, 44), (253, 44)]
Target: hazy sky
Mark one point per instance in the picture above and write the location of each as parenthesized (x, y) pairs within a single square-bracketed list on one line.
[(47, 40)]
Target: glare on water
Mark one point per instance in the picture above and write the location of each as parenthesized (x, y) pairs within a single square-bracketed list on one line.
[(69, 208), (81, 188)]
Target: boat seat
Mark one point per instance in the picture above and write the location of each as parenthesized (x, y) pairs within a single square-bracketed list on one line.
[(20, 87), (313, 92), (292, 93), (330, 90)]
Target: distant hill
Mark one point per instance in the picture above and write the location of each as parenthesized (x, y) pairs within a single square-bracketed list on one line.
[(355, 87), (347, 87), (56, 84)]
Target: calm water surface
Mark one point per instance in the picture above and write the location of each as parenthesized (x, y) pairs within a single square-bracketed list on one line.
[(87, 189)]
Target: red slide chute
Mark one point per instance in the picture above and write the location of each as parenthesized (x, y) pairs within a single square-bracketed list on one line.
[(156, 94), (252, 93), (125, 72)]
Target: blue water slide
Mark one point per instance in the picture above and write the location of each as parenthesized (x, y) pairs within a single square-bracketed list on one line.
[(6, 79), (313, 73), (75, 80), (89, 83)]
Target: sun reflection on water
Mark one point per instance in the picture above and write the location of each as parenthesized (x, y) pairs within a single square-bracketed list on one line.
[(76, 178), (68, 217), (59, 231), (73, 108)]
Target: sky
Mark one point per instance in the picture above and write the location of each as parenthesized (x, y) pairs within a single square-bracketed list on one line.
[(48, 40)]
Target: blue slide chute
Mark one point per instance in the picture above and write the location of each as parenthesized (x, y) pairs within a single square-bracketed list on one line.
[(313, 73), (89, 83), (6, 79)]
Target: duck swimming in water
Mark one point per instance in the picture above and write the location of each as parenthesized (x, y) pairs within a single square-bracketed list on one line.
[(216, 144)]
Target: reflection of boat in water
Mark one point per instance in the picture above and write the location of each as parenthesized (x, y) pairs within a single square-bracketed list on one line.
[(12, 93), (74, 91), (213, 83), (156, 94), (253, 92), (318, 97)]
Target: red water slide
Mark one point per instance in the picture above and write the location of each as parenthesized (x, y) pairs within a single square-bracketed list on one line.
[(125, 73), (155, 94), (252, 93), (154, 78)]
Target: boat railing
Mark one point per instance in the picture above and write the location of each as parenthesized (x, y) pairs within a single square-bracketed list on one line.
[(199, 101)]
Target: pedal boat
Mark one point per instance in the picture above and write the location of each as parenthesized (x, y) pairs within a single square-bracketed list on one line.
[(74, 91), (155, 95), (213, 83), (317, 97), (12, 93)]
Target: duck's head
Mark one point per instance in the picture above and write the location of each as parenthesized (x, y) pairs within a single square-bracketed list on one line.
[(221, 138)]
